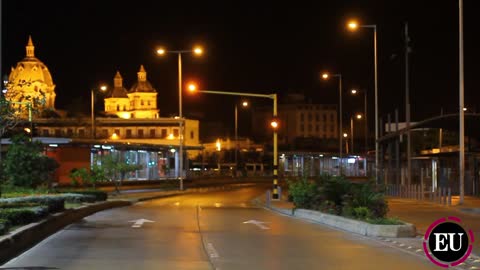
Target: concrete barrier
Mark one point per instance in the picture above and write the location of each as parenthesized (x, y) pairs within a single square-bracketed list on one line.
[(357, 226)]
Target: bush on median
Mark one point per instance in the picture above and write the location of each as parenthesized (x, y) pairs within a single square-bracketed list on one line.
[(336, 195), (4, 226)]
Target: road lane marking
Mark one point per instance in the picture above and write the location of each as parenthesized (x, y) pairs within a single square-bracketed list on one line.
[(257, 223), (212, 252), (137, 223)]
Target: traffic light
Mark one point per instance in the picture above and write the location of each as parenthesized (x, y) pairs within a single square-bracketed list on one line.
[(274, 123)]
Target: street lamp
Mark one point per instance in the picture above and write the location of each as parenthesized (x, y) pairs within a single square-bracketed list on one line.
[(244, 104), (326, 76), (355, 92), (196, 51), (359, 117), (102, 88), (353, 25), (274, 124)]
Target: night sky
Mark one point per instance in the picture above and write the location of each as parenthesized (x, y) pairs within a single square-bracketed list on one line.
[(251, 46)]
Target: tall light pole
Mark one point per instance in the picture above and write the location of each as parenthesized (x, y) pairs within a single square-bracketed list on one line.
[(325, 76), (102, 88), (274, 124), (196, 51), (365, 110), (244, 104), (353, 25), (461, 103), (358, 116)]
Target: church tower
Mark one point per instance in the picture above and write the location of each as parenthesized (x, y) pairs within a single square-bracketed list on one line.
[(31, 80), (118, 102), (143, 97)]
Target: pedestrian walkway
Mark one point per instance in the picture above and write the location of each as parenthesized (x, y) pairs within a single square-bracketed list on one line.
[(422, 214)]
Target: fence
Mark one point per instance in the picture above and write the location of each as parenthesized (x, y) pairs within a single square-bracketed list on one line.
[(441, 195)]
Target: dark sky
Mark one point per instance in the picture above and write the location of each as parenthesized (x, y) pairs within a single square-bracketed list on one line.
[(251, 46)]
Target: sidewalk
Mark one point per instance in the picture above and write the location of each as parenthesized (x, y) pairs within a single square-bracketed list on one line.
[(422, 214)]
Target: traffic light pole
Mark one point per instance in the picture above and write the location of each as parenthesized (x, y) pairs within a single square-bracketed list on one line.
[(275, 194)]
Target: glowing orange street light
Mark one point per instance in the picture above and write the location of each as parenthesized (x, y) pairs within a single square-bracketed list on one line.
[(352, 25), (198, 50), (354, 91), (359, 116), (245, 103), (192, 87), (325, 76), (160, 51), (274, 123)]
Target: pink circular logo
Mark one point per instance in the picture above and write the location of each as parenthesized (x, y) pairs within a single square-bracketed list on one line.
[(447, 243)]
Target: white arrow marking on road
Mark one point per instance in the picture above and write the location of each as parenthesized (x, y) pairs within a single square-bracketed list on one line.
[(139, 222), (257, 223)]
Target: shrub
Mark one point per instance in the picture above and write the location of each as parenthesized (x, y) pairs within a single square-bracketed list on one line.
[(362, 213), (4, 226), (97, 194), (25, 165), (18, 216), (54, 203), (303, 193), (18, 205), (368, 195), (334, 188)]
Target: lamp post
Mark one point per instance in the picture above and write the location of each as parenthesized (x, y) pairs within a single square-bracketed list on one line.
[(103, 88), (358, 116), (244, 104), (274, 124), (325, 76), (354, 92), (461, 103), (353, 25), (197, 51)]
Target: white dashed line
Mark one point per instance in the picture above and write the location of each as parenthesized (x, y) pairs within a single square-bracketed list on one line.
[(212, 252)]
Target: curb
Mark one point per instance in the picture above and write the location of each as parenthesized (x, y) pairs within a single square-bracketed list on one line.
[(349, 225), (23, 238), (359, 227)]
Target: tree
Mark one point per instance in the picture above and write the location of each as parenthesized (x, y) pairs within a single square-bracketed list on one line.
[(110, 167), (115, 169), (25, 165)]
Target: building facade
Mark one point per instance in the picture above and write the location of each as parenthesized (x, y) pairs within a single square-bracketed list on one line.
[(135, 130), (139, 102), (31, 82)]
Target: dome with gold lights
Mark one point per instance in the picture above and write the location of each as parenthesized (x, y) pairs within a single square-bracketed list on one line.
[(31, 78)]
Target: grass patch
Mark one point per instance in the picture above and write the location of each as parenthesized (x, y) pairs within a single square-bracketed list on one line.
[(12, 191), (385, 221), (72, 205)]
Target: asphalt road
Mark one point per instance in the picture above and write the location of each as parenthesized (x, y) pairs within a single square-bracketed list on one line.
[(218, 231)]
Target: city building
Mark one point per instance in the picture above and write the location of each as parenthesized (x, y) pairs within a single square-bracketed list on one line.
[(31, 81), (139, 102), (300, 122), (132, 125)]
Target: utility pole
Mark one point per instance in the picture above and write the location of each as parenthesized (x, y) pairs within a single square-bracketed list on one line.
[(461, 103), (407, 105)]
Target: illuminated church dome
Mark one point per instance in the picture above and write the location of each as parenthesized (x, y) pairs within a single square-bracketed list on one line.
[(142, 85), (31, 78)]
